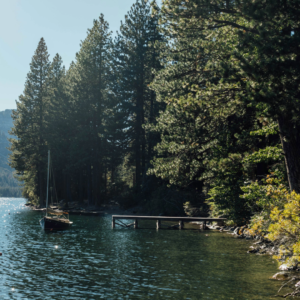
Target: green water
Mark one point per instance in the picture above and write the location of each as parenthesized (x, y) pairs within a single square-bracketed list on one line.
[(92, 261)]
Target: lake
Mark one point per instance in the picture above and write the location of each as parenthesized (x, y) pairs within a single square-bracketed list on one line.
[(92, 261)]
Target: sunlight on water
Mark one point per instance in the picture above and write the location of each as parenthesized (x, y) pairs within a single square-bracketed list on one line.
[(92, 261)]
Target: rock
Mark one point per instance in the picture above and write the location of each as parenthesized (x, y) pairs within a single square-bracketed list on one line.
[(236, 231), (283, 267), (254, 250), (297, 284), (259, 242), (280, 276), (241, 230)]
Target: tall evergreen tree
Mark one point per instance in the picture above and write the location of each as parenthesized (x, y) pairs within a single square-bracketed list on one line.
[(93, 101), (29, 150), (59, 125), (135, 58)]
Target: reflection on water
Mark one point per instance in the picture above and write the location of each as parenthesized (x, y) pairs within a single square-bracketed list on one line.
[(92, 261)]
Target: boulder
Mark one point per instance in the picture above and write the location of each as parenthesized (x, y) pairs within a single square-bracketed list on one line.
[(253, 250), (283, 267), (280, 276), (236, 231)]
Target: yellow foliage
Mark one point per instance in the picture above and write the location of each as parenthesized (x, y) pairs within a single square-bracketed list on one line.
[(280, 221), (275, 198), (285, 224)]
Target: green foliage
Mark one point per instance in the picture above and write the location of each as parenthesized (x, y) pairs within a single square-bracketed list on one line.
[(226, 104), (203, 96), (267, 154), (90, 116), (174, 201), (264, 194), (285, 225), (280, 224), (134, 59), (29, 148), (225, 194)]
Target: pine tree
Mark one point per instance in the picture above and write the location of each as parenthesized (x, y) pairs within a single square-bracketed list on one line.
[(59, 125), (135, 58), (93, 101), (29, 150)]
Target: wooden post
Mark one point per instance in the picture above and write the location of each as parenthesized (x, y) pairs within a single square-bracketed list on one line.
[(181, 224), (136, 224), (157, 224), (204, 225), (113, 223)]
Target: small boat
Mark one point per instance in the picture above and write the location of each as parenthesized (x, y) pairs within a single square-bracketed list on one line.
[(57, 220)]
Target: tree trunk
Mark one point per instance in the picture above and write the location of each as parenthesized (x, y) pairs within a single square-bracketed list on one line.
[(290, 141)]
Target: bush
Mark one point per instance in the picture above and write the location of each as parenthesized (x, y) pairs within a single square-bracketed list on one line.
[(285, 225)]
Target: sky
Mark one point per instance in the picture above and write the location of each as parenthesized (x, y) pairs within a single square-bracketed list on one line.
[(62, 23)]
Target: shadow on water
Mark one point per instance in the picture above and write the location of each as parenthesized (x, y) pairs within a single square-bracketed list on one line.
[(92, 261)]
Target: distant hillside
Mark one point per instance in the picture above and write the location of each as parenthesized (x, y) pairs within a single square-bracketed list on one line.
[(6, 122), (9, 186)]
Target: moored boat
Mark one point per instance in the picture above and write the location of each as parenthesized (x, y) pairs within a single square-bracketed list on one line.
[(56, 219)]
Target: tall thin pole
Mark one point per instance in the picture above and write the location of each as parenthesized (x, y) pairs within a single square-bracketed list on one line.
[(47, 182)]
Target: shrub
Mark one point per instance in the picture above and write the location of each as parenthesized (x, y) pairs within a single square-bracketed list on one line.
[(286, 226)]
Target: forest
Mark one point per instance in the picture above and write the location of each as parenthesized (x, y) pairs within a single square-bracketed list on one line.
[(9, 186), (192, 104)]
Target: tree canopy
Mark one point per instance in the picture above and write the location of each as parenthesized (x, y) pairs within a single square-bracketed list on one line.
[(197, 95)]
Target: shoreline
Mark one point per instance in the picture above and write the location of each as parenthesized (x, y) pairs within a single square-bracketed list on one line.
[(91, 211), (258, 244)]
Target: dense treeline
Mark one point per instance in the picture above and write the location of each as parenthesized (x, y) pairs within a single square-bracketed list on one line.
[(232, 95), (9, 186), (90, 116), (198, 95)]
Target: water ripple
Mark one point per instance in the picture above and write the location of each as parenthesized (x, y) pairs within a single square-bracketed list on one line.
[(92, 261)]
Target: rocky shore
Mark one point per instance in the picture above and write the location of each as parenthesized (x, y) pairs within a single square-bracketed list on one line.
[(262, 246)]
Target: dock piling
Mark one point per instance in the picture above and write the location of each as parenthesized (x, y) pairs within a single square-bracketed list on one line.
[(181, 225), (158, 225)]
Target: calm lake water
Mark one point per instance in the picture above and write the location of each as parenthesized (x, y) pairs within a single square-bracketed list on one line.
[(92, 261)]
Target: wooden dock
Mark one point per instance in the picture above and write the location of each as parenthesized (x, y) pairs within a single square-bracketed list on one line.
[(159, 219)]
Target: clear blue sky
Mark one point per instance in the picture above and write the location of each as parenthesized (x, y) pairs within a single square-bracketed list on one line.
[(62, 23)]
